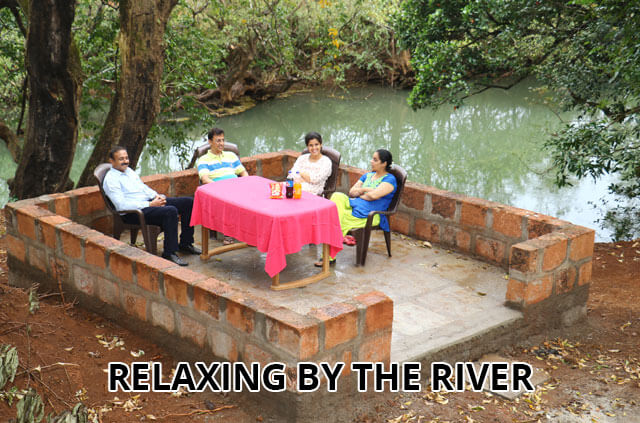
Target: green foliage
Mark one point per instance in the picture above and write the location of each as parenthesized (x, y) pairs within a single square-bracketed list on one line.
[(12, 72), (78, 414), (8, 364), (586, 53), (30, 408)]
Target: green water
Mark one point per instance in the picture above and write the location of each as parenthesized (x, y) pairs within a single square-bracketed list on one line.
[(490, 148)]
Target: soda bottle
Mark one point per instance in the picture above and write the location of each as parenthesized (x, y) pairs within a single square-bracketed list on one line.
[(297, 186), (289, 193)]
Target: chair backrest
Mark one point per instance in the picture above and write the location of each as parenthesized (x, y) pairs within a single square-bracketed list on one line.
[(332, 180), (100, 172), (202, 150), (401, 179)]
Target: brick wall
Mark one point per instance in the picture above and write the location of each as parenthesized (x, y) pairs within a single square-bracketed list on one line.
[(545, 257), (59, 240)]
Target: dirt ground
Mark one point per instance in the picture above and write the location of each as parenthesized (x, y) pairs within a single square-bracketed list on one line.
[(594, 366)]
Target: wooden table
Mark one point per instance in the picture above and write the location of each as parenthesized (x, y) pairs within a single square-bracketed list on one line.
[(241, 208)]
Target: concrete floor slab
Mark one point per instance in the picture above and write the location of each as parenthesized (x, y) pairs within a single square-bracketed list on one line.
[(440, 297)]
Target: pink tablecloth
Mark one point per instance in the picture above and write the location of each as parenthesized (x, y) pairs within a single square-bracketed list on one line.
[(241, 208)]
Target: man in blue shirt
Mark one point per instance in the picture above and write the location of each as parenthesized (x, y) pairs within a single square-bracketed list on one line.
[(126, 191)]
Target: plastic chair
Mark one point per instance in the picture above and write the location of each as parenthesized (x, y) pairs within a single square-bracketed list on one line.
[(332, 180), (202, 150), (363, 235), (149, 232)]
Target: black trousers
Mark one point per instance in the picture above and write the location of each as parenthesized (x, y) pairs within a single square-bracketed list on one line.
[(167, 218)]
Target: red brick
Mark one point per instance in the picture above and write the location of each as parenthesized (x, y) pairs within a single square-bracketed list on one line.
[(291, 159), (413, 196), (148, 270), (271, 165), (399, 222), (427, 230), (376, 348), (538, 225), (524, 258), (47, 227), (16, 248), (293, 332), (160, 183), (463, 240), (508, 221), (354, 174), (185, 183), (584, 273), (61, 204), (582, 245), (96, 248), (443, 205), (490, 249), (103, 224), (89, 201), (565, 279), (135, 305), (250, 164), (26, 217), (515, 291), (554, 254), (176, 283), (340, 322), (473, 214), (192, 329), (72, 237), (205, 299), (121, 262), (538, 290), (379, 313), (239, 316)]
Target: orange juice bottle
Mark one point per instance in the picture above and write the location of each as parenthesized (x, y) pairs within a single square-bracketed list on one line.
[(297, 187)]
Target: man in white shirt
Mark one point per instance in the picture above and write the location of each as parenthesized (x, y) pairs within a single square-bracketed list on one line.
[(126, 191)]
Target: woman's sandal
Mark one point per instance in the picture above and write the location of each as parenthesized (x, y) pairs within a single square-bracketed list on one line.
[(319, 263), (349, 240)]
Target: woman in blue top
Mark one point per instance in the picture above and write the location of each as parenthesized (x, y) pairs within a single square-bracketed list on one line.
[(373, 192)]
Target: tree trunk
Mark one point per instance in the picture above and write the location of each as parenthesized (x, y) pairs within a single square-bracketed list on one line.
[(137, 99), (54, 84)]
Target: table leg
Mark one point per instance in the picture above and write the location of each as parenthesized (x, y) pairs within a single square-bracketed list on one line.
[(277, 286), (205, 243)]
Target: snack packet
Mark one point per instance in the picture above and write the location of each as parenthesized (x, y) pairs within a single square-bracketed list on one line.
[(276, 190)]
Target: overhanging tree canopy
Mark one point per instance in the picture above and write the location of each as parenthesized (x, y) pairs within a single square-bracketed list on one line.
[(585, 52)]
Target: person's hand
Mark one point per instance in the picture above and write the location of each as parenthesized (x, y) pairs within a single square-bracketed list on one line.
[(159, 201), (305, 176)]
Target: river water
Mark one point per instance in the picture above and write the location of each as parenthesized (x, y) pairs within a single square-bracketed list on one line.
[(489, 148)]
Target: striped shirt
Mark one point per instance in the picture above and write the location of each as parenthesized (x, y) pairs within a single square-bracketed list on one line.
[(221, 166)]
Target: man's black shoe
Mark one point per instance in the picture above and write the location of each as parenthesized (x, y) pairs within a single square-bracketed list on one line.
[(191, 249), (174, 258)]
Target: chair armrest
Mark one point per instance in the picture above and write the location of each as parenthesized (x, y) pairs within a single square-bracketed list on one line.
[(136, 211), (372, 214)]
